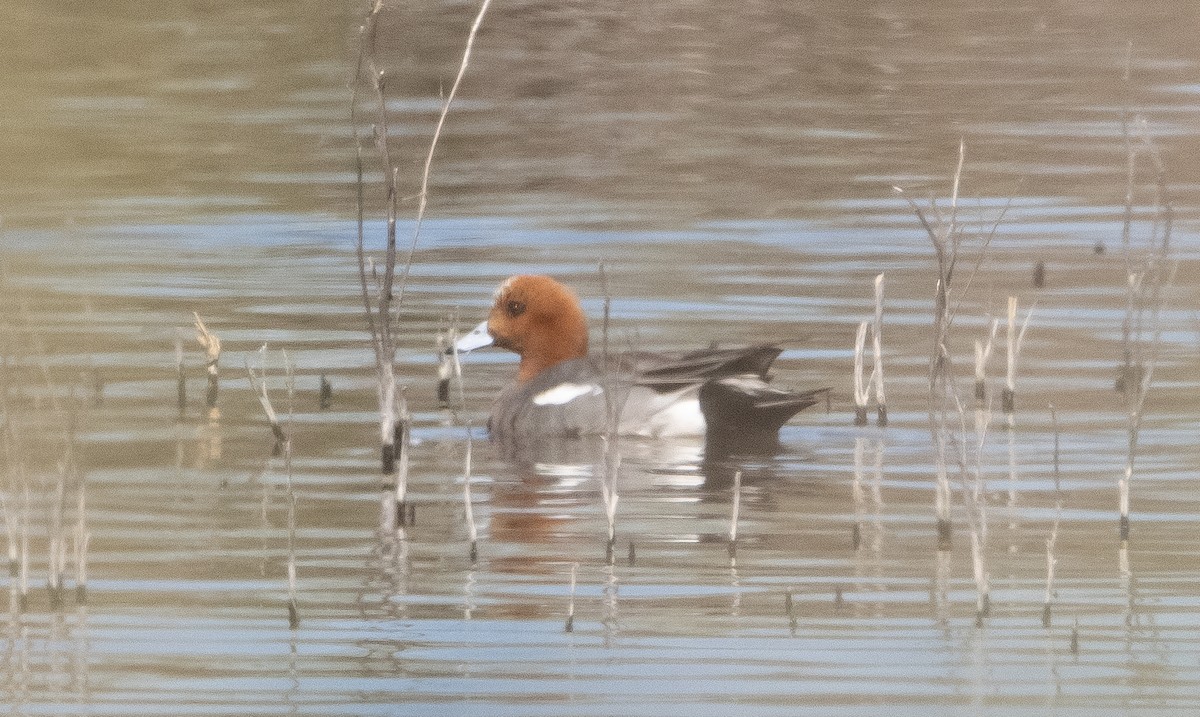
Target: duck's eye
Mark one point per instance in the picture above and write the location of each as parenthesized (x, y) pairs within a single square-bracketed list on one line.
[(516, 308)]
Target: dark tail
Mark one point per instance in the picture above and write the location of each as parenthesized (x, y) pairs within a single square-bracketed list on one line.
[(745, 413)]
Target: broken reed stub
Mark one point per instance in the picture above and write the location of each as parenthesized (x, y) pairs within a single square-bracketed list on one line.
[(387, 459), (181, 390), (214, 382), (406, 514), (325, 394), (985, 607), (1129, 376), (945, 532), (97, 389)]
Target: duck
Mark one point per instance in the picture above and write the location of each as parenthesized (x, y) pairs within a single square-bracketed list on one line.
[(720, 394)]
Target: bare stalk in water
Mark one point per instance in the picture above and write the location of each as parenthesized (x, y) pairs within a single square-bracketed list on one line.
[(290, 381), (1149, 275), (983, 353), (570, 624), (468, 512), (948, 237), (259, 385), (1052, 540), (862, 387), (404, 446), (1016, 340), (734, 511), (381, 306), (180, 375), (881, 416), (610, 470), (212, 351)]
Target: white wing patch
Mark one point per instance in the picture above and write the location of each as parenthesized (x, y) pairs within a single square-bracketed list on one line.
[(564, 393)]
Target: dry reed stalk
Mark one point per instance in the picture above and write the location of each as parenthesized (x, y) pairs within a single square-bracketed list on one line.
[(82, 539), (423, 196), (1015, 340), (1128, 368), (1146, 280), (390, 292), (468, 513), (212, 352), (12, 462), (610, 470), (325, 393), (862, 390), (570, 624), (734, 511), (456, 361), (56, 548), (445, 370), (1052, 540), (856, 492), (947, 237), (23, 573), (1136, 403), (983, 353), (258, 384), (8, 514), (977, 513), (403, 443), (881, 416), (180, 375), (290, 383), (378, 311), (614, 406)]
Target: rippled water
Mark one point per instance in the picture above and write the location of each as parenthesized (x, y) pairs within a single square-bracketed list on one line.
[(732, 169)]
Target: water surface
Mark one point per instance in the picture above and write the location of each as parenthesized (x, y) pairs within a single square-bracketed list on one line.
[(733, 170)]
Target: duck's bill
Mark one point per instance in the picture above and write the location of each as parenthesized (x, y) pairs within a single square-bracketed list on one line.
[(476, 339)]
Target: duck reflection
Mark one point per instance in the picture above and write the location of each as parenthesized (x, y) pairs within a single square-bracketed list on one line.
[(558, 482)]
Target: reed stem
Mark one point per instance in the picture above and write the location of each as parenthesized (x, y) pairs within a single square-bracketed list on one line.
[(881, 416), (212, 351), (468, 512)]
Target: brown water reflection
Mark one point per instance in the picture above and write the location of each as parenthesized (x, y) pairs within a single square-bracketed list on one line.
[(733, 169)]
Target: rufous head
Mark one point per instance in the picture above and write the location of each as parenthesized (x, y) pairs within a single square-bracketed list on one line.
[(537, 318)]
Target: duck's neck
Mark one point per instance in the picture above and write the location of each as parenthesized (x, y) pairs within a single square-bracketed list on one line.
[(563, 342)]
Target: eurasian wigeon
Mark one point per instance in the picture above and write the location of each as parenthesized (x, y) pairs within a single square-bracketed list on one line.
[(719, 393)]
